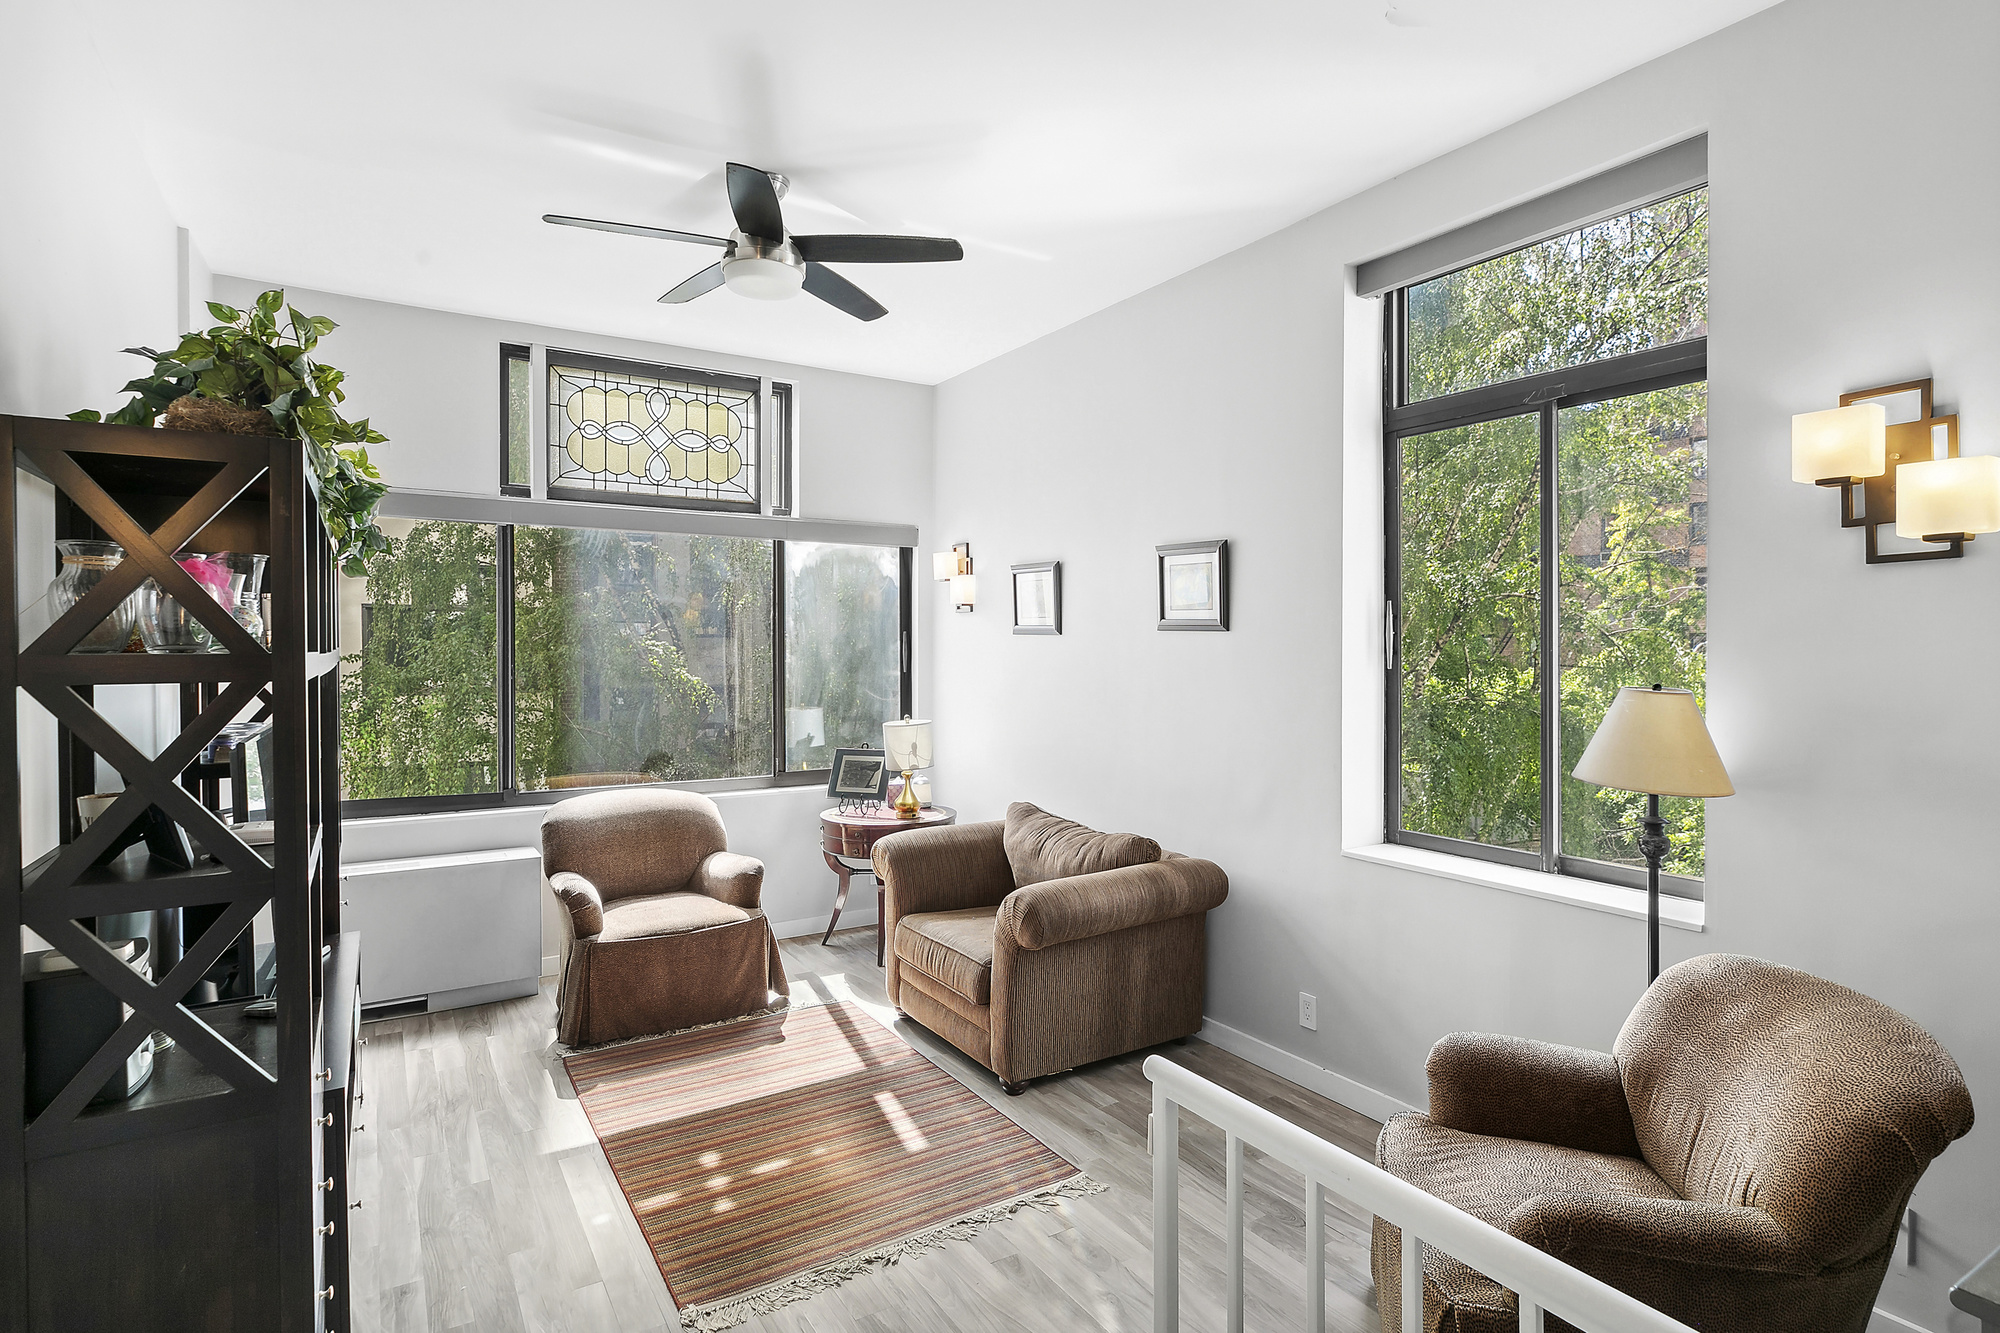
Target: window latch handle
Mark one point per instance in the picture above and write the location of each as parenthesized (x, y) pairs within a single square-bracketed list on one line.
[(1388, 636)]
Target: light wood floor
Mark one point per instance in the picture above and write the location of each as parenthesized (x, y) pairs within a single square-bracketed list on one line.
[(487, 1204)]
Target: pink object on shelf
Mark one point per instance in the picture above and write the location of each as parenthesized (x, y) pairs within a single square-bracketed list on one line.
[(208, 575)]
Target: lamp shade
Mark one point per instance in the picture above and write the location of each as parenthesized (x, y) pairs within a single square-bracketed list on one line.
[(907, 743), (1948, 495), (1654, 741), (964, 589), (944, 564), (1840, 442)]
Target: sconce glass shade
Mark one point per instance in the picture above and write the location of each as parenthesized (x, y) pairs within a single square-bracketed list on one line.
[(1956, 495), (907, 743), (1840, 442), (1654, 741), (964, 588), (944, 565)]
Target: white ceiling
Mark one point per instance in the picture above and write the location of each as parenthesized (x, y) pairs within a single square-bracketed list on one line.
[(1082, 150)]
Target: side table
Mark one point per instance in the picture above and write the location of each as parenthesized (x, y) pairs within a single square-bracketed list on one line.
[(849, 838)]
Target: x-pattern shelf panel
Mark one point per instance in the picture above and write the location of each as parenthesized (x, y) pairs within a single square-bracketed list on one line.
[(217, 1069)]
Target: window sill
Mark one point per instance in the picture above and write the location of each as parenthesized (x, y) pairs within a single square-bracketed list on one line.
[(1680, 913)]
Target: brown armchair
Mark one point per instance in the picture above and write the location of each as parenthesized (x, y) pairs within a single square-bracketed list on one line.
[(662, 927), (1032, 978), (1740, 1161)]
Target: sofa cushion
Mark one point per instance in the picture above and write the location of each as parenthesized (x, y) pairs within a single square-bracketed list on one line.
[(954, 949), (1041, 846), (666, 914)]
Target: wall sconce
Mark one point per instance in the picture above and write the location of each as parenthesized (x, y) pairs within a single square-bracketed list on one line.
[(1885, 441), (955, 566)]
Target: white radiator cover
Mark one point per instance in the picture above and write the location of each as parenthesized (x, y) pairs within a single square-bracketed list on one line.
[(448, 930)]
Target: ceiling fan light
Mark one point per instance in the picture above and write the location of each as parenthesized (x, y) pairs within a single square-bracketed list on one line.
[(762, 279)]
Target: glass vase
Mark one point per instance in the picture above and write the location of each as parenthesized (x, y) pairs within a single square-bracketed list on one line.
[(169, 627), (84, 565), (245, 572)]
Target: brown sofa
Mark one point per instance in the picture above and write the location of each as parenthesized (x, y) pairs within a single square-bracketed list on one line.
[(1740, 1161), (662, 927), (1078, 947)]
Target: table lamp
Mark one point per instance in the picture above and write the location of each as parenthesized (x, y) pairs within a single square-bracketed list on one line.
[(908, 745), (1654, 742)]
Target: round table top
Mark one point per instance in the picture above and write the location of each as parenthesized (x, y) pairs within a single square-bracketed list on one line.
[(885, 817)]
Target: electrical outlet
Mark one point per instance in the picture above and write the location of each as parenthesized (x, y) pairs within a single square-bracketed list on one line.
[(1308, 1012)]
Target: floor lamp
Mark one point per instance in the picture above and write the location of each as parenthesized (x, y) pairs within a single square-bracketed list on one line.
[(1655, 743)]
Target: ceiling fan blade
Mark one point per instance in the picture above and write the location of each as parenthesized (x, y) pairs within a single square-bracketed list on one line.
[(754, 201), (848, 248), (634, 229), (705, 281), (838, 292)]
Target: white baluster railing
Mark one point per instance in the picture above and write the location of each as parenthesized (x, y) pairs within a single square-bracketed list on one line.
[(1540, 1280)]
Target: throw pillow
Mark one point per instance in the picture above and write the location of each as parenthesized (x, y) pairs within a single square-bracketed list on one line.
[(1041, 846)]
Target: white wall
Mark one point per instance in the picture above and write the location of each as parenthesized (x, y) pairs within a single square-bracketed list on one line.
[(1850, 702), (428, 379), (87, 266)]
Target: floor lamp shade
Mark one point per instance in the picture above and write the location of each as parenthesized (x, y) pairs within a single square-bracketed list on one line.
[(1654, 741)]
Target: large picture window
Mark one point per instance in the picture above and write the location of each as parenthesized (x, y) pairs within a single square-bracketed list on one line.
[(488, 662), (419, 699), (1546, 451), (843, 655)]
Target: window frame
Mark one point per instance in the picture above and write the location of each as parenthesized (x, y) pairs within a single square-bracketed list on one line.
[(1544, 395), (509, 354), (777, 434), (532, 514)]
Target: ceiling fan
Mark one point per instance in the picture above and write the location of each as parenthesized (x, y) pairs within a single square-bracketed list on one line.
[(763, 261)]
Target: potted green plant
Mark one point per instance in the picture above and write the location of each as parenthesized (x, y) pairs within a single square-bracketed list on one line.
[(254, 374)]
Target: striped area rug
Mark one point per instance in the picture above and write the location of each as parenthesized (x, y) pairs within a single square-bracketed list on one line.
[(776, 1156)]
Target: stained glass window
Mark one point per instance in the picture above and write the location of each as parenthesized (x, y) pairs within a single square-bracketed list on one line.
[(639, 434)]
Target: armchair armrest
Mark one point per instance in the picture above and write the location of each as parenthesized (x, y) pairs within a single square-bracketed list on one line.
[(1569, 1225), (1057, 911), (581, 899), (1513, 1088), (730, 878), (943, 869)]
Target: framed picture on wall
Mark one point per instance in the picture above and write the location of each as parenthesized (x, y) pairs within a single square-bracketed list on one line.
[(859, 775), (1194, 585), (1038, 598)]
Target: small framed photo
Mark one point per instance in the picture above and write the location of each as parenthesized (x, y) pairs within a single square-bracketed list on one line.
[(859, 775), (1194, 585), (1038, 598)]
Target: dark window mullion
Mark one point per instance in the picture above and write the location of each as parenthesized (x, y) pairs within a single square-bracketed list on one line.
[(503, 622), (906, 561), (778, 682), (1551, 656), (1610, 377)]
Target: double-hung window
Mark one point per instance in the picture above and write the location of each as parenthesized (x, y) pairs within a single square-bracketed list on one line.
[(651, 617), (1546, 493)]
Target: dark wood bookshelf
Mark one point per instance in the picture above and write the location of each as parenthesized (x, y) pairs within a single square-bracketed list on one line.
[(214, 1197)]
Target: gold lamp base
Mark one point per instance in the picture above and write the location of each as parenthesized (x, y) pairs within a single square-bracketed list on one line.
[(907, 806)]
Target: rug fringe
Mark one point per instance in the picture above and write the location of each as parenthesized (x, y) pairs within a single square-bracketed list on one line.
[(724, 1314), (784, 1004)]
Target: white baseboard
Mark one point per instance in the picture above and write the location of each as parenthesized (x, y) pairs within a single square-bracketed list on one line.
[(1336, 1087), (816, 926), (1881, 1321), (551, 964)]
